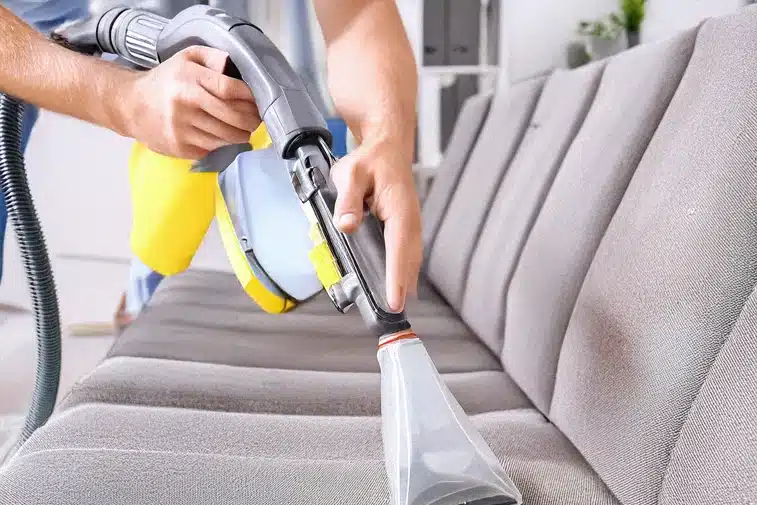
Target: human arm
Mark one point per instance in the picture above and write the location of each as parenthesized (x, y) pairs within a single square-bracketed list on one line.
[(184, 107), (372, 79)]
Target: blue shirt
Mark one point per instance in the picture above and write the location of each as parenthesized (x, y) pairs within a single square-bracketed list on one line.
[(46, 15)]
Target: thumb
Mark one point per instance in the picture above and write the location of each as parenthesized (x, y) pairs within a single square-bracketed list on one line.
[(350, 176)]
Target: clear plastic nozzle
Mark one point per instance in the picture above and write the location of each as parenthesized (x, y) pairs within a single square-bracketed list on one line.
[(434, 455)]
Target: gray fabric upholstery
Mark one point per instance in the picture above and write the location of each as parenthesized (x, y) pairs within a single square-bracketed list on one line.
[(447, 174), (221, 289), (326, 324), (251, 341), (206, 317), (500, 137), (164, 383), (165, 456), (634, 93), (669, 283), (559, 114), (716, 451)]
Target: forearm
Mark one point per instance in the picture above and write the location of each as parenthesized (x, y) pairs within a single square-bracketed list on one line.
[(372, 73), (42, 73)]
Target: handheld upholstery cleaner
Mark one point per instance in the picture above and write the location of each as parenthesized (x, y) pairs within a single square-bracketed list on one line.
[(433, 453)]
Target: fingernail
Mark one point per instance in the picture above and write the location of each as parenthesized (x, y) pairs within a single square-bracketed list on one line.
[(397, 299), (347, 221)]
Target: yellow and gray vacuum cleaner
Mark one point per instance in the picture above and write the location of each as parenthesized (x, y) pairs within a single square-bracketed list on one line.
[(274, 204)]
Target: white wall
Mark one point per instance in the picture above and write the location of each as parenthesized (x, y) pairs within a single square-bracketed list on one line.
[(539, 31), (79, 180), (536, 33), (666, 17), (412, 17)]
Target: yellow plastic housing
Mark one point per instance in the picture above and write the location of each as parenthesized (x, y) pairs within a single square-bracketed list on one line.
[(173, 208), (321, 257)]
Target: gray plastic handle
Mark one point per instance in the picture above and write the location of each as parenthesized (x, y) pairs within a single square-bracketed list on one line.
[(283, 102), (132, 34)]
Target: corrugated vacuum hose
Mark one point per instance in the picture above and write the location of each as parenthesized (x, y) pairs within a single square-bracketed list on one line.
[(39, 274)]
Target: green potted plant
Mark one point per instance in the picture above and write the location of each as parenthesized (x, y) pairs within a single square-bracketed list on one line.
[(631, 16)]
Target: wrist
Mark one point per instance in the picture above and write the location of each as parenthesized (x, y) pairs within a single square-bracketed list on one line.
[(400, 140), (121, 102)]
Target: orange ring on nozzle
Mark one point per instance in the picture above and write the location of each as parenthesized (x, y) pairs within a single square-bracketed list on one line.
[(394, 337)]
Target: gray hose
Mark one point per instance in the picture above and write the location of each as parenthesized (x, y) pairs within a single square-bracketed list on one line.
[(39, 274)]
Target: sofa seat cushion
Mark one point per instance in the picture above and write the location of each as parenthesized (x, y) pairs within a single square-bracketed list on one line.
[(206, 317), (167, 383), (98, 454), (230, 338), (207, 288)]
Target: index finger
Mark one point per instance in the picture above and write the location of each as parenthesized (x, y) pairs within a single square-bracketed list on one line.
[(211, 64), (222, 86), (403, 260), (209, 57)]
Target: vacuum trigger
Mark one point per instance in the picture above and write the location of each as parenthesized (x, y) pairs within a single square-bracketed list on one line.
[(219, 159)]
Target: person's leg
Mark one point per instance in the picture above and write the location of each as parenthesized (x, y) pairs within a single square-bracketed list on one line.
[(142, 284), (143, 281), (31, 113), (27, 125)]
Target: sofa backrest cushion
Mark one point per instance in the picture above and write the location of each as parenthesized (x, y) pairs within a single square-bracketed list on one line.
[(500, 137), (447, 174), (635, 91), (654, 345), (559, 114)]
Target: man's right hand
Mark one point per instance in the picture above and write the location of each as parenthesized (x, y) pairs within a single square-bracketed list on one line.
[(186, 107)]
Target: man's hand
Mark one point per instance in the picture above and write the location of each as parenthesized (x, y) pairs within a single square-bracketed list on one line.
[(373, 80), (186, 107), (378, 172)]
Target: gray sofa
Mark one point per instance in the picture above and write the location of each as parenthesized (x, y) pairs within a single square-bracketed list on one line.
[(588, 295)]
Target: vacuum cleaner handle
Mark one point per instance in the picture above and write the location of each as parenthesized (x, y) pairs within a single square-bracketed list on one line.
[(131, 34), (360, 255)]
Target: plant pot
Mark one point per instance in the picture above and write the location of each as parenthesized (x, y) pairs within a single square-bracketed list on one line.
[(633, 38), (576, 55), (601, 47)]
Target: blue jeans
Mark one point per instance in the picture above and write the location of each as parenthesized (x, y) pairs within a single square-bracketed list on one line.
[(43, 15), (30, 117)]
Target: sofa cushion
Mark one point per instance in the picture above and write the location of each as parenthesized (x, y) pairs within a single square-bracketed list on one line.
[(447, 175), (716, 451), (669, 286), (633, 95), (206, 317), (116, 454), (559, 114), (209, 386), (500, 137), (228, 337), (208, 288)]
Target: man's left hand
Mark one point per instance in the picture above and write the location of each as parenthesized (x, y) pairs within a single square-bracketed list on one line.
[(378, 172)]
